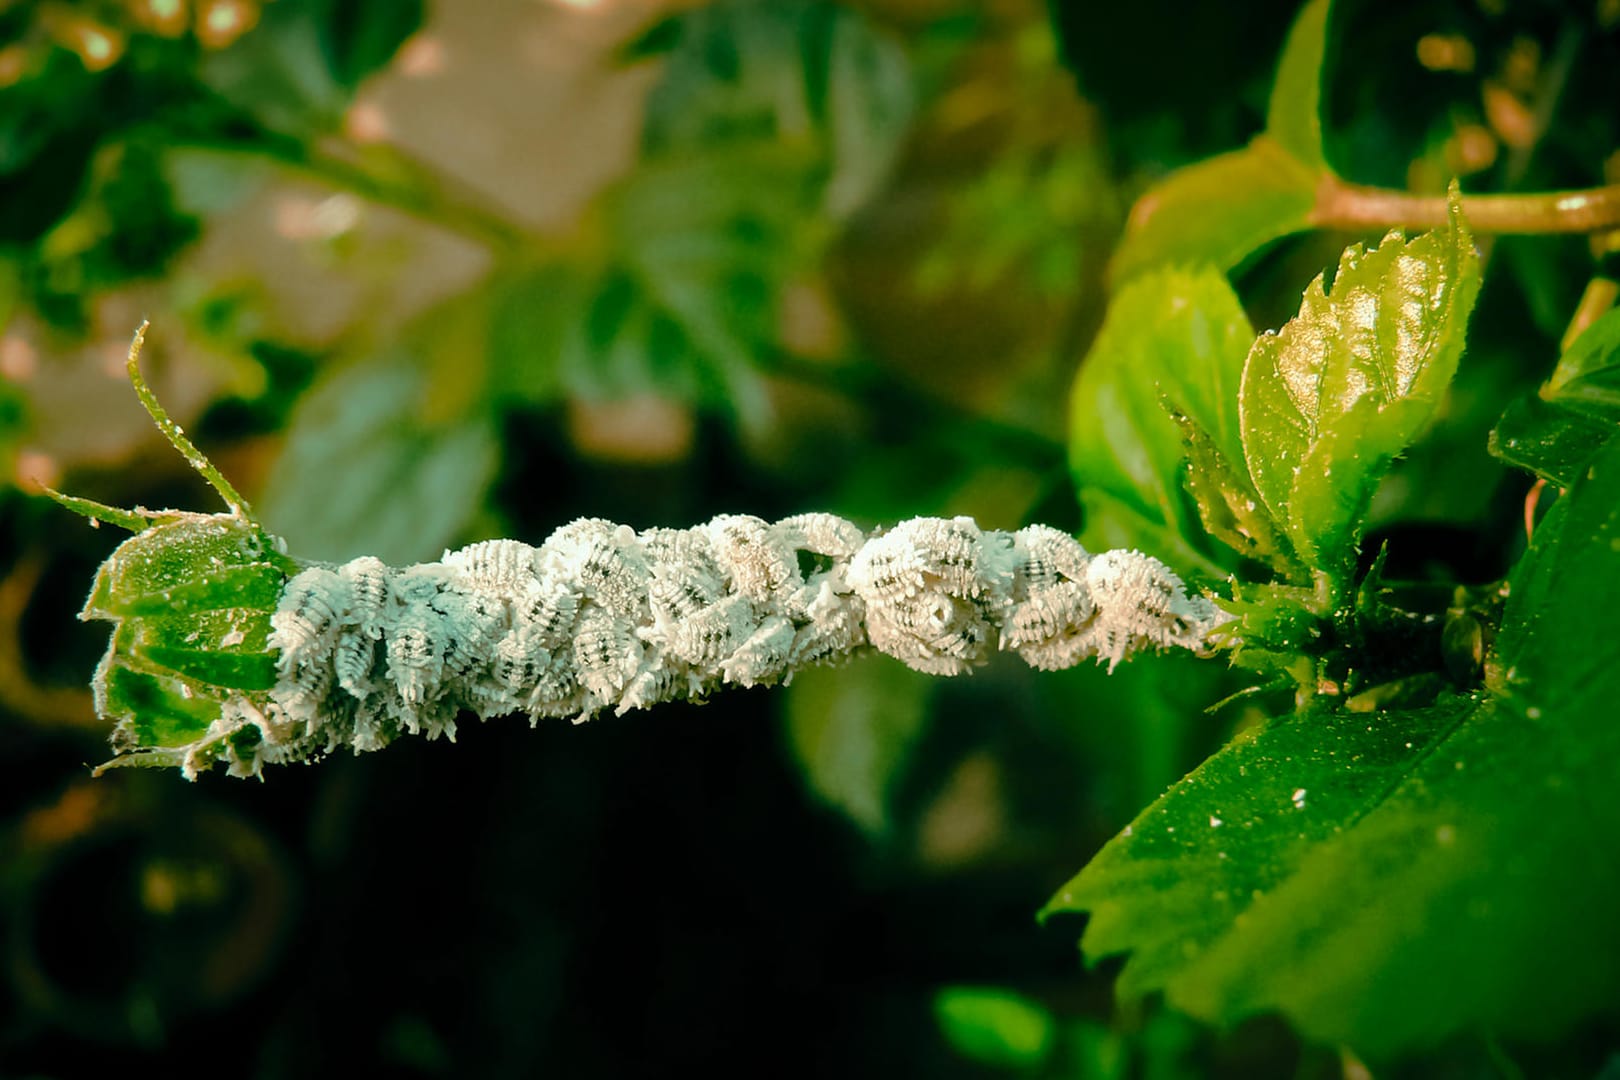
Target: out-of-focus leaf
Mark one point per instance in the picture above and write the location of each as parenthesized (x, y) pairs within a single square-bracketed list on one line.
[(995, 1027), (1347, 384), (700, 247), (364, 473), (279, 73), (1040, 212), (534, 314), (1219, 211), (358, 37), (210, 182), (1171, 335), (1385, 880), (1557, 430), (126, 227), (1294, 116), (867, 108), (852, 729), (44, 144), (814, 77)]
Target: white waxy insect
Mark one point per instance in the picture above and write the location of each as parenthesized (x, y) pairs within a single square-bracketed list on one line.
[(607, 655), (1131, 586), (517, 661), (308, 615), (601, 560), (763, 657), (473, 623), (1051, 629), (831, 625), (354, 661), (415, 658), (680, 591), (712, 633), (499, 566), (679, 550), (822, 534), (657, 681), (1049, 557), (757, 562), (546, 610), (556, 690), (887, 570), (368, 580)]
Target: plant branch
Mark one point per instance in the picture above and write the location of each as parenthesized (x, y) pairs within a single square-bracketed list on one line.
[(391, 178), (1355, 207)]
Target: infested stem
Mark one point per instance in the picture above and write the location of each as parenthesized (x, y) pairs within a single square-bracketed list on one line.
[(598, 617)]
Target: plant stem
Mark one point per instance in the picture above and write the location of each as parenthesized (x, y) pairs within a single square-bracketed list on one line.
[(392, 178), (1354, 207)]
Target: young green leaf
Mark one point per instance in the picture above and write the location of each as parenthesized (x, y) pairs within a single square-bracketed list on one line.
[(1172, 334), (1219, 211), (1557, 430), (1228, 505), (1384, 880), (1345, 386)]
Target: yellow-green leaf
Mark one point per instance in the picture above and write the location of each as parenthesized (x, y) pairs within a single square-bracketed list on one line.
[(1347, 384)]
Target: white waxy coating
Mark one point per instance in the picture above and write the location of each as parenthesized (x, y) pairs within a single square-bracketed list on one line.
[(601, 616)]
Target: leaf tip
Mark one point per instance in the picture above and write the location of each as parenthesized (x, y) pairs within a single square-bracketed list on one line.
[(98, 513)]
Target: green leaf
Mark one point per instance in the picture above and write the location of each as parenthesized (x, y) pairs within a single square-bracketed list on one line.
[(794, 73), (701, 246), (1294, 115), (867, 111), (1228, 505), (366, 472), (995, 1027), (1219, 211), (1556, 431), (1173, 334), (1347, 384), (279, 74), (532, 317), (358, 37), (852, 730), (1384, 880)]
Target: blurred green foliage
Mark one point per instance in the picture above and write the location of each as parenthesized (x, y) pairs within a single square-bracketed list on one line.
[(845, 256)]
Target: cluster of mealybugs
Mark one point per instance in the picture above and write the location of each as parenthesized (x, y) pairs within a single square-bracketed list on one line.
[(601, 616)]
